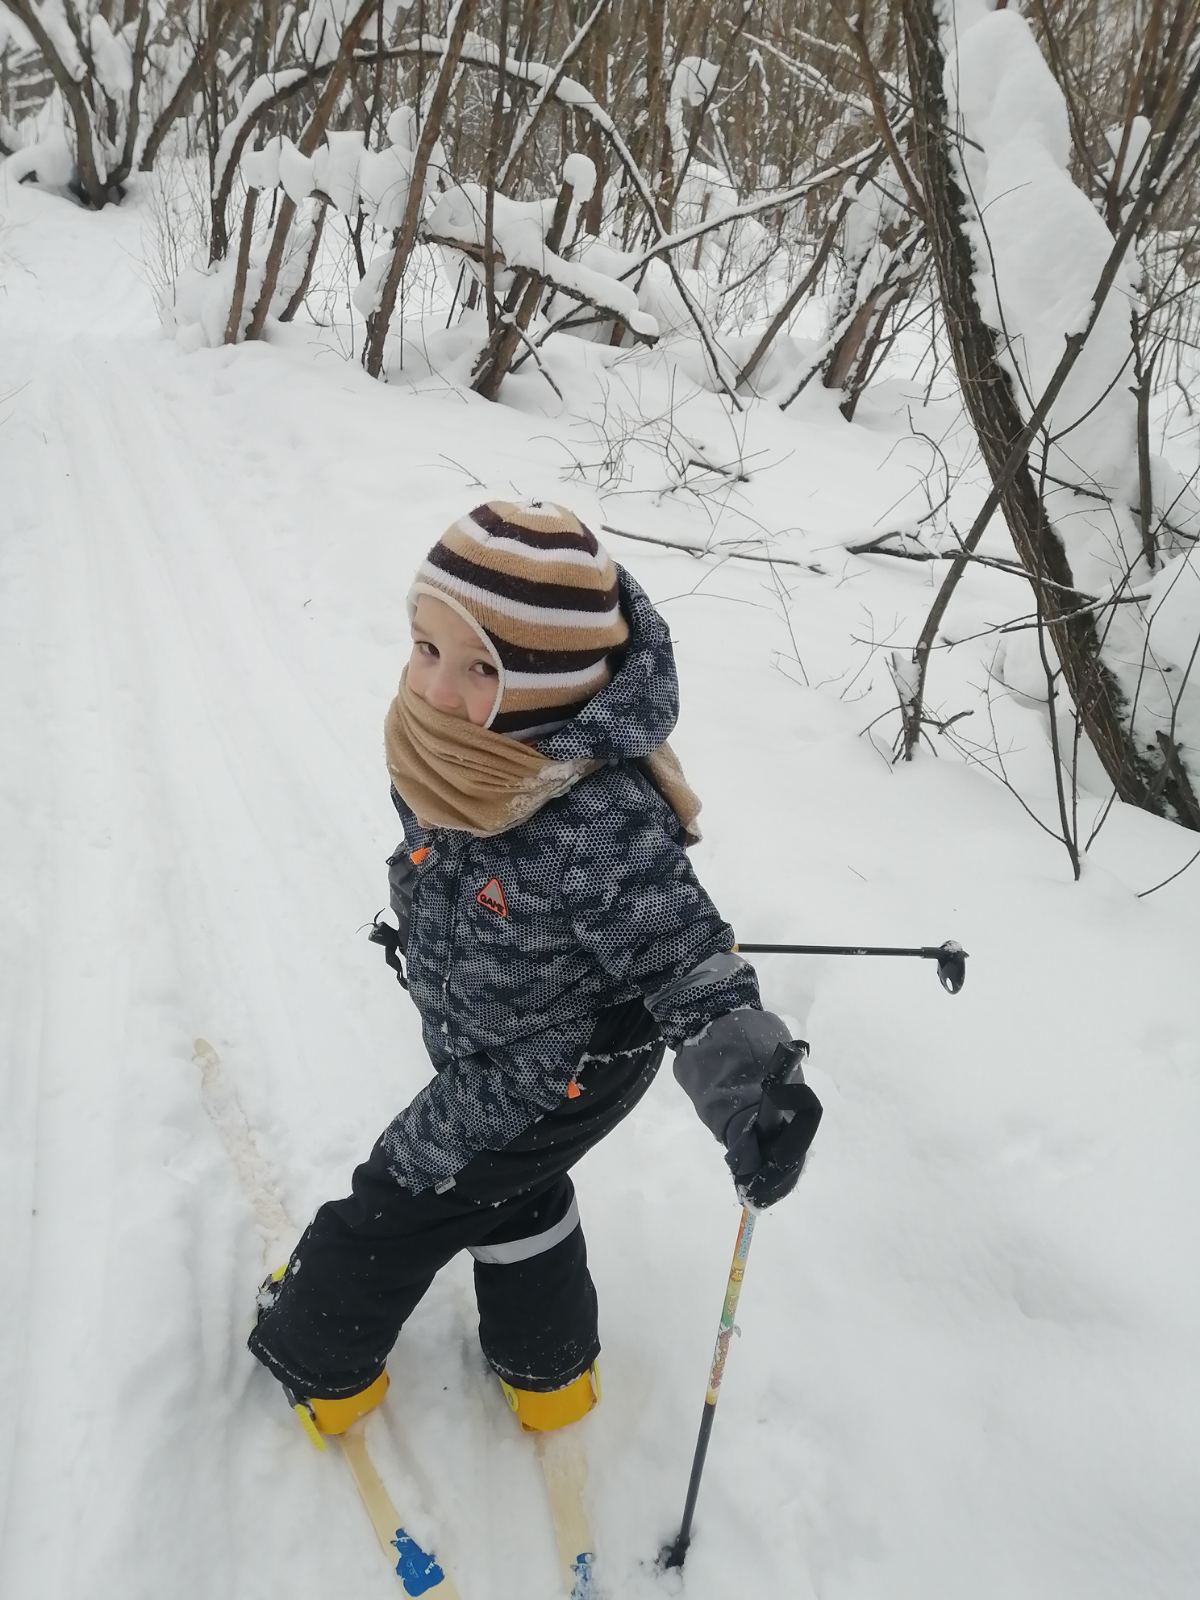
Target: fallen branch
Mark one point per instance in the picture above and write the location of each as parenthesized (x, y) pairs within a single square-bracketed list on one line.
[(539, 363), (1014, 569), (707, 550)]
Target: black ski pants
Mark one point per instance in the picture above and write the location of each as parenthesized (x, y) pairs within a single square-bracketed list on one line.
[(364, 1262)]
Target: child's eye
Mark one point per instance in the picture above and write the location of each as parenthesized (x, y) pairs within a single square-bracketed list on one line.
[(424, 648), (484, 668)]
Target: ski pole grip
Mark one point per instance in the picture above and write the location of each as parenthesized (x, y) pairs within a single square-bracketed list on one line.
[(786, 1067)]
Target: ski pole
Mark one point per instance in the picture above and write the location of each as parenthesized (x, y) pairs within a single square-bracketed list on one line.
[(778, 1121), (951, 958), (674, 1554)]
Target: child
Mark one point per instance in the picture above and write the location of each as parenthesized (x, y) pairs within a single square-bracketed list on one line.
[(557, 943)]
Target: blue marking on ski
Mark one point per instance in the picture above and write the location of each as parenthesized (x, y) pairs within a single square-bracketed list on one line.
[(583, 1589), (417, 1570)]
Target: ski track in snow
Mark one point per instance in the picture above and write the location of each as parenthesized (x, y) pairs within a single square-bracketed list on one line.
[(139, 936)]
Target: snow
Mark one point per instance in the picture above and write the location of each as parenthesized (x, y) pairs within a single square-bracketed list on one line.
[(113, 59), (580, 172), (1175, 611), (1136, 148), (260, 91), (384, 19), (52, 14), (322, 25), (335, 169), (384, 178), (402, 127), (295, 172), (694, 80), (968, 1343), (48, 156), (14, 32), (342, 169), (260, 167), (197, 309), (519, 229), (367, 293)]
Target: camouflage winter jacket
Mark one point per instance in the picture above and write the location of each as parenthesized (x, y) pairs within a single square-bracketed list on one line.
[(517, 942)]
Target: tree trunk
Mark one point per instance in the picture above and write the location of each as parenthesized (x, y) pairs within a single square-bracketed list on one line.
[(494, 360), (658, 131), (593, 212), (221, 19), (406, 235), (306, 145), (237, 302), (93, 186), (297, 300), (1141, 777)]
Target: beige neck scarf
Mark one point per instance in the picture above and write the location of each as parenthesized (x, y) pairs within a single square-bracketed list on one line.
[(454, 775)]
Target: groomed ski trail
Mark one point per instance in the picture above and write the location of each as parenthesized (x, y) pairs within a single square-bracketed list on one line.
[(142, 675)]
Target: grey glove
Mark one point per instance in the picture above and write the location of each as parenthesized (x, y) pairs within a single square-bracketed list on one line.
[(725, 1072), (722, 1069)]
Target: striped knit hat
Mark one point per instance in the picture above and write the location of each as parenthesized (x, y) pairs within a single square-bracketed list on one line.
[(542, 592)]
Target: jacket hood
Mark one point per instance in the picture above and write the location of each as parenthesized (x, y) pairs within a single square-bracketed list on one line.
[(636, 711)]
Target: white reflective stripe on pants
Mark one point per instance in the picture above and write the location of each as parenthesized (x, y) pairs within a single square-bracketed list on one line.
[(511, 1251)]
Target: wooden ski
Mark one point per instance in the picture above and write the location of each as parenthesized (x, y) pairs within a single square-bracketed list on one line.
[(564, 1470), (419, 1572)]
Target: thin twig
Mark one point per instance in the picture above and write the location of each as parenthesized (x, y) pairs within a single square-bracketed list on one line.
[(707, 550)]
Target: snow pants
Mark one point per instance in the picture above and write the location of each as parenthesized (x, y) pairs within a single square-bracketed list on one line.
[(364, 1262)]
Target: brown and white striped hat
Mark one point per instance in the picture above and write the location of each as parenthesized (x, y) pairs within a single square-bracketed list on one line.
[(543, 593)]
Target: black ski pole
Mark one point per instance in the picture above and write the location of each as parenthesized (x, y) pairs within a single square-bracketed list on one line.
[(951, 958)]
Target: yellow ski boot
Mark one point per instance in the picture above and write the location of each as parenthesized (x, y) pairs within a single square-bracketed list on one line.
[(542, 1411), (318, 1417)]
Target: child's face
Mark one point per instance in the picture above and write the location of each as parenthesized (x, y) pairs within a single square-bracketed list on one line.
[(450, 668)]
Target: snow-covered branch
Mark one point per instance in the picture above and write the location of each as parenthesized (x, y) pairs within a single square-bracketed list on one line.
[(519, 231), (116, 78)]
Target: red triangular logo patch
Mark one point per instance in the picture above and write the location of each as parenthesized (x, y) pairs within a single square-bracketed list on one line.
[(491, 897)]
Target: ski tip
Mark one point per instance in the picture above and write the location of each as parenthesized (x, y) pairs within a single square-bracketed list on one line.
[(417, 1570), (583, 1589)]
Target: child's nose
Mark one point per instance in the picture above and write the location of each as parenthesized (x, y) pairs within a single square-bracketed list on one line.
[(443, 693)]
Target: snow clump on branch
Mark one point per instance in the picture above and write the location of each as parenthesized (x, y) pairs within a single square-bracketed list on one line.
[(1040, 247), (519, 231), (580, 172)]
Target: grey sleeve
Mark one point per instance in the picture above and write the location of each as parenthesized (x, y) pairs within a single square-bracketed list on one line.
[(402, 879), (638, 909), (723, 1067)]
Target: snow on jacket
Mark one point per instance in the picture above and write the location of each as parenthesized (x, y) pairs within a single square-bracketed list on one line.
[(516, 943)]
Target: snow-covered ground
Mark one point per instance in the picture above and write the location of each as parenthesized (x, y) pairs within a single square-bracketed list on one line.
[(968, 1362)]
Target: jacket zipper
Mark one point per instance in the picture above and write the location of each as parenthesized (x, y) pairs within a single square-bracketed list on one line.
[(456, 854)]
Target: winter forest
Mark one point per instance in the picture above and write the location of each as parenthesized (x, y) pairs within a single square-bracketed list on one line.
[(866, 337)]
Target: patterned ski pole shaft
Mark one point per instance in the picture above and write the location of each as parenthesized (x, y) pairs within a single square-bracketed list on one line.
[(674, 1554)]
